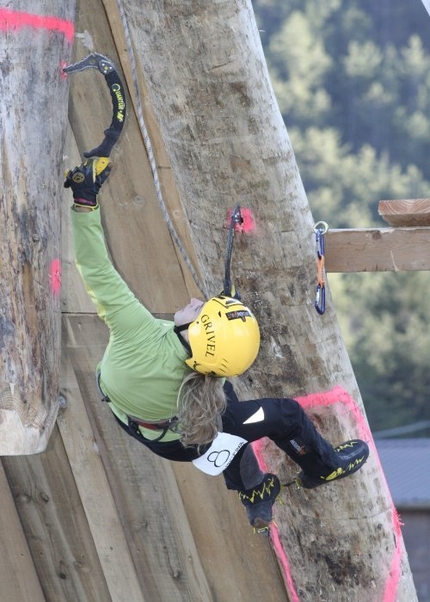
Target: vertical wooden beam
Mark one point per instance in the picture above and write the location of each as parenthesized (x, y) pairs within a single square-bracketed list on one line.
[(35, 42)]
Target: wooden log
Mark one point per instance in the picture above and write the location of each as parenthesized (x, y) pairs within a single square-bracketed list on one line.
[(130, 203), (405, 212), (34, 43), (377, 250), (226, 142)]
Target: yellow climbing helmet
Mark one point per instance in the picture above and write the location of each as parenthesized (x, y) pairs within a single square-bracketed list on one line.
[(224, 338)]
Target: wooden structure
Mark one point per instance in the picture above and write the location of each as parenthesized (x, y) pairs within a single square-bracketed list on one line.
[(378, 250), (96, 517), (403, 247), (30, 221), (406, 212)]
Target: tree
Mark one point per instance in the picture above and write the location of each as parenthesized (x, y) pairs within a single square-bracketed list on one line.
[(389, 339)]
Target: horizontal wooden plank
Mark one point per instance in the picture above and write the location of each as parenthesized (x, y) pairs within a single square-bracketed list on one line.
[(377, 250), (405, 212)]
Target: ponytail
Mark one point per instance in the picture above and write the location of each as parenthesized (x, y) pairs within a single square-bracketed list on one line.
[(201, 401)]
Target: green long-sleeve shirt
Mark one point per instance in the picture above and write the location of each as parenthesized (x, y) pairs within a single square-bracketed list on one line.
[(143, 365)]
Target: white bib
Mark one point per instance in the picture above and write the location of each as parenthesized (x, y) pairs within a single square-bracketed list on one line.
[(221, 452)]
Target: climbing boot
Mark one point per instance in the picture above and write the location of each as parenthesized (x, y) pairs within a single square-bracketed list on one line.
[(351, 457), (259, 501)]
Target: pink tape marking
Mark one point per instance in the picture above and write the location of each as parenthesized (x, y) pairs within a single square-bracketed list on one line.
[(13, 20), (339, 395)]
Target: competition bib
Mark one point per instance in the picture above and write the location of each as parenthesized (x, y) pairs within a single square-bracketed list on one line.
[(221, 452)]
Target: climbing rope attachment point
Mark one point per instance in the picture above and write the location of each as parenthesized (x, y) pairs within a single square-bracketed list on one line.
[(320, 230)]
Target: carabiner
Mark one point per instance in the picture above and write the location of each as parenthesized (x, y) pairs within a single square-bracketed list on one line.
[(320, 298)]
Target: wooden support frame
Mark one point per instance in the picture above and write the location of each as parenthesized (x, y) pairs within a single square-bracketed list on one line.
[(378, 250), (405, 212), (405, 247)]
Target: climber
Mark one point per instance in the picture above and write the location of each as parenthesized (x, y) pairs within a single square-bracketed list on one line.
[(166, 382)]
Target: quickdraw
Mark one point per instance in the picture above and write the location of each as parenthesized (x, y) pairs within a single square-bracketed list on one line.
[(116, 88), (320, 230)]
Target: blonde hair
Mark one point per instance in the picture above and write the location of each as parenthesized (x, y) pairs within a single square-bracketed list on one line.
[(201, 402)]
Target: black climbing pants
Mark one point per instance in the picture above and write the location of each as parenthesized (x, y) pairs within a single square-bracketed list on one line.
[(280, 419)]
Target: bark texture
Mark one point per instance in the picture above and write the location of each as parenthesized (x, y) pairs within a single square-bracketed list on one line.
[(35, 40)]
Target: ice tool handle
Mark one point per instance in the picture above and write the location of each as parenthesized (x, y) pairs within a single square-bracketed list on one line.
[(116, 89), (235, 222)]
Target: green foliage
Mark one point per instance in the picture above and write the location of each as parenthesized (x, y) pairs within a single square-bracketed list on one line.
[(300, 60), (352, 78), (387, 332)]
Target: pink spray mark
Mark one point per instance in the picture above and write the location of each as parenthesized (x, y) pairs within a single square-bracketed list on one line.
[(324, 399), (13, 20), (247, 225), (248, 222), (274, 534), (63, 64), (55, 276)]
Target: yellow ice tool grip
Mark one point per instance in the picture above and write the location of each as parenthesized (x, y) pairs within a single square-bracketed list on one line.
[(100, 164)]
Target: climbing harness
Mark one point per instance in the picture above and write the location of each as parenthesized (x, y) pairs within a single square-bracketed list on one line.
[(133, 423), (163, 426), (116, 88), (320, 230), (236, 221)]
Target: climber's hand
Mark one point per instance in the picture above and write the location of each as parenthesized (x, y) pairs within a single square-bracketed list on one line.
[(86, 181)]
